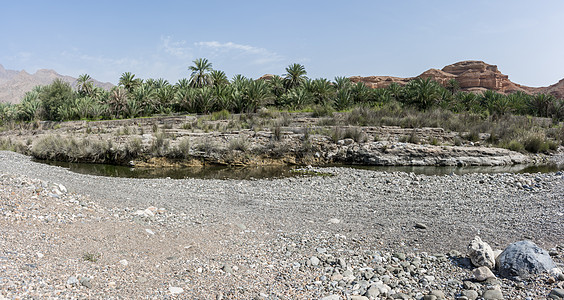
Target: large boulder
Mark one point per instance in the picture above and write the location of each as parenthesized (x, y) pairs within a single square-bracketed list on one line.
[(522, 259), (481, 254)]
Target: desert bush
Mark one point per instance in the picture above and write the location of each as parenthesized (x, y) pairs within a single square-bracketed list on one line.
[(184, 147), (277, 133), (55, 147), (239, 144), (515, 145), (160, 144), (220, 115), (535, 143), (134, 147), (472, 136), (322, 111), (412, 138)]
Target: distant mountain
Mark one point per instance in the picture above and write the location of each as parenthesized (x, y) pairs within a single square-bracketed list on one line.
[(475, 76), (14, 84)]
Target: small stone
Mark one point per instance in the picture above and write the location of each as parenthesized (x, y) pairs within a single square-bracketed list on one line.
[(123, 262), (420, 226), (470, 294), (336, 276), (175, 290), (72, 280), (40, 255), (492, 295), (399, 255), (85, 281), (556, 294), (372, 292), (482, 273), (334, 221), (227, 269), (439, 294), (314, 261), (429, 297), (331, 297), (149, 231), (356, 297)]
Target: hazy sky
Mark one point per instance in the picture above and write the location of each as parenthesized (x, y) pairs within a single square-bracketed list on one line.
[(154, 39)]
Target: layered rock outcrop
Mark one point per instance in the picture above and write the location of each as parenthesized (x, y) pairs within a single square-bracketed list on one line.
[(471, 75)]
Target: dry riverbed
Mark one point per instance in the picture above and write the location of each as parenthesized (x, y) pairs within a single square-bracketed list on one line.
[(356, 232)]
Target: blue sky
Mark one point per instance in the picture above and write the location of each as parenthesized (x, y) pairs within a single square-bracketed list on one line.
[(155, 39)]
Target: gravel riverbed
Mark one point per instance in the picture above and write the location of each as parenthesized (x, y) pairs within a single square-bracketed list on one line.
[(356, 233)]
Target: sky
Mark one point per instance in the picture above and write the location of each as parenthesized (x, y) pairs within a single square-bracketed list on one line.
[(160, 39)]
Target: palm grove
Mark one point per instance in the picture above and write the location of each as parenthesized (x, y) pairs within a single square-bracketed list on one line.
[(208, 90)]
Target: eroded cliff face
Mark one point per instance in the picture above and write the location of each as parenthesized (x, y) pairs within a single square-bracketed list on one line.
[(471, 75)]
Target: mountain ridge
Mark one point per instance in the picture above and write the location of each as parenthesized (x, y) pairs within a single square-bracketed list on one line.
[(14, 84)]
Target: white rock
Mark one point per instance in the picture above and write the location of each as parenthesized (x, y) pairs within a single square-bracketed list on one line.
[(334, 221), (123, 262), (483, 273), (149, 231), (331, 297), (62, 188), (555, 272), (480, 253), (175, 290), (40, 255)]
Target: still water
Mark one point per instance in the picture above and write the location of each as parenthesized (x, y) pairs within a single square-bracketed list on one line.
[(264, 172)]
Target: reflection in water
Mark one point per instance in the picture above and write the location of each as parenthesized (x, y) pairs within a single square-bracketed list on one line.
[(265, 172), (208, 172)]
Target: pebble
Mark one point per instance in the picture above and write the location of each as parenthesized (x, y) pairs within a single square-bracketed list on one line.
[(494, 294), (420, 226), (175, 290), (72, 280)]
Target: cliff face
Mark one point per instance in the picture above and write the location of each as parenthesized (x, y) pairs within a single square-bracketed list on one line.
[(470, 75)]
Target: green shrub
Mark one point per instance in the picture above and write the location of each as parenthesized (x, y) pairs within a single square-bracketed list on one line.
[(515, 146), (220, 115), (472, 136), (160, 145), (535, 143), (239, 144), (322, 111)]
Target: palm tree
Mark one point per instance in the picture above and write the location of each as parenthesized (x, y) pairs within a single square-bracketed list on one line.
[(85, 85), (342, 83), (295, 76), (200, 76), (128, 81), (276, 84), (182, 83), (321, 90), (423, 93), (218, 78), (30, 106), (117, 101)]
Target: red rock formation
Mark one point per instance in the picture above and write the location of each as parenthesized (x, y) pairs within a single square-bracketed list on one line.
[(475, 76)]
